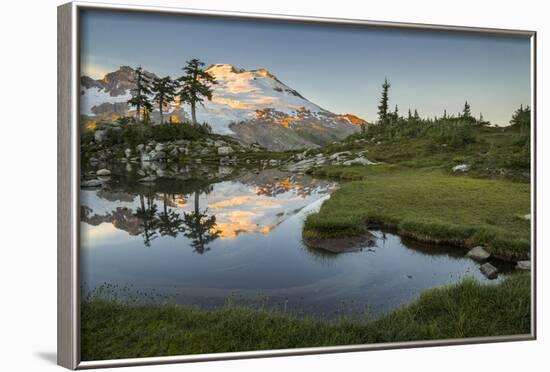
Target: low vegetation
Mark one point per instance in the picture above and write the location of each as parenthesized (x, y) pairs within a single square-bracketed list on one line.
[(428, 205), (113, 329)]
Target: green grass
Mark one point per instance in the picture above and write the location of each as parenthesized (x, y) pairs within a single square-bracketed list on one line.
[(428, 205), (497, 153), (112, 329)]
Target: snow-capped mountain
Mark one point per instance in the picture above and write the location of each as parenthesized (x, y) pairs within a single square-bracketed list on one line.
[(254, 106)]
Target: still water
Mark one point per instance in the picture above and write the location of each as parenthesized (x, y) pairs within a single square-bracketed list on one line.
[(203, 242)]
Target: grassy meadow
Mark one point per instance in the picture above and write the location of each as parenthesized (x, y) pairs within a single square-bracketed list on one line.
[(113, 329)]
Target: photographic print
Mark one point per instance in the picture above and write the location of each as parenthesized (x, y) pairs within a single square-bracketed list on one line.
[(265, 184)]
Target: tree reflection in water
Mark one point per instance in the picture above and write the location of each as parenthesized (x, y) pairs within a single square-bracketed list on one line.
[(201, 228), (197, 226)]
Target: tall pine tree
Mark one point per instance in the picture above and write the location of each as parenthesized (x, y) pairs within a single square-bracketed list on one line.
[(140, 93), (383, 106), (195, 85), (466, 112), (164, 90)]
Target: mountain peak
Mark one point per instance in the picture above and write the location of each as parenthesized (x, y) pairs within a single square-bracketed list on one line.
[(224, 68)]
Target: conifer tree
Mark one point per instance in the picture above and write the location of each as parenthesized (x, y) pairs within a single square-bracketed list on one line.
[(409, 116), (416, 116), (383, 106), (195, 85), (466, 113), (522, 119), (140, 93), (164, 90)]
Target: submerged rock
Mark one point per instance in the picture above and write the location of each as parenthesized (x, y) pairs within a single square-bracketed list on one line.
[(478, 253), (489, 270), (523, 265)]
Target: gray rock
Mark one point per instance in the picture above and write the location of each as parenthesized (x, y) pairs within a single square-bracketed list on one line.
[(183, 150), (160, 155), (174, 152), (219, 143), (301, 166), (140, 147), (128, 153), (100, 135), (478, 253), (527, 217), (145, 157), (359, 161), (103, 172), (523, 265), (91, 183), (225, 150), (461, 168), (160, 147), (336, 156), (273, 162), (489, 270)]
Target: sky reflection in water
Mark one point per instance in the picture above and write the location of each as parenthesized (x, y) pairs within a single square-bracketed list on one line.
[(242, 239)]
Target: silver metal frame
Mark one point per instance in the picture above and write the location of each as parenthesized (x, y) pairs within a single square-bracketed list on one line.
[(68, 166)]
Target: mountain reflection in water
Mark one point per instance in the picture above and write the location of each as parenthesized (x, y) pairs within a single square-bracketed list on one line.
[(201, 241)]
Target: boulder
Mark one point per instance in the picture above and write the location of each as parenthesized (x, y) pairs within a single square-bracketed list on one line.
[(336, 156), (174, 152), (273, 162), (523, 265), (302, 166), (159, 147), (461, 168), (183, 150), (219, 143), (225, 150), (359, 161), (489, 270), (478, 253), (159, 155), (128, 153), (140, 147), (103, 172)]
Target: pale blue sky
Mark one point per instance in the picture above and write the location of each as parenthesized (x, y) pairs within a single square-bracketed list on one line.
[(337, 67)]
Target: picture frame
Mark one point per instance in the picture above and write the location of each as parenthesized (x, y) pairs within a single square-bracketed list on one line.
[(69, 170)]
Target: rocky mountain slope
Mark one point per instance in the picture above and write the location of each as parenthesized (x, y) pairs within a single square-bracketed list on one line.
[(254, 106)]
